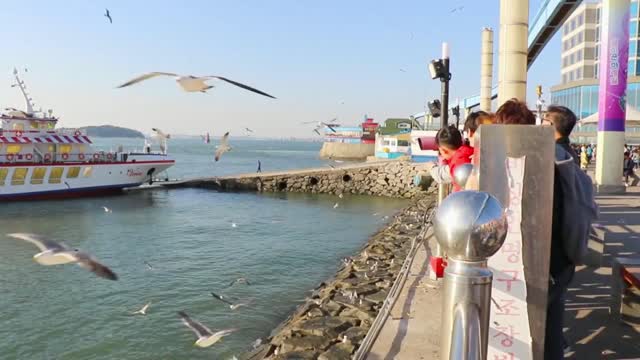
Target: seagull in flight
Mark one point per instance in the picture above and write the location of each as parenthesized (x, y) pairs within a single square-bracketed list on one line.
[(160, 134), (459, 8), (142, 311), (336, 205), (148, 265), (206, 337), (248, 130), (223, 147), (106, 209), (55, 253), (108, 16), (190, 83), (232, 306)]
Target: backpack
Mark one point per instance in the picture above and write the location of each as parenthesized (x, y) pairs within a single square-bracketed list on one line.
[(578, 210)]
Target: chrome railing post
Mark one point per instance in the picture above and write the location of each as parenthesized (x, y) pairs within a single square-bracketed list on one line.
[(470, 226)]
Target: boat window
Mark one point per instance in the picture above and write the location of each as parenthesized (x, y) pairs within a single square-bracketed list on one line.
[(73, 172), (64, 148), (51, 148), (19, 174), (55, 175), (38, 174), (51, 125), (87, 171), (33, 124), (3, 175), (13, 149), (18, 126)]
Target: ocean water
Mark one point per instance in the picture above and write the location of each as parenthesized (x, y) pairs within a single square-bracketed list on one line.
[(284, 244)]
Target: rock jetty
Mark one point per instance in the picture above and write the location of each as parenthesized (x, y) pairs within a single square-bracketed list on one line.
[(391, 179), (334, 320)]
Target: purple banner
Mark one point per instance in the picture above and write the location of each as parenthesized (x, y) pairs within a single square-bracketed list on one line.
[(614, 58)]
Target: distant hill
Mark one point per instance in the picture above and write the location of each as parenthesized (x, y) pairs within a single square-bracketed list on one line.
[(109, 131)]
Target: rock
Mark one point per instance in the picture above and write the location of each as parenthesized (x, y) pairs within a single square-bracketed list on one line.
[(332, 307), (329, 326), (359, 314), (355, 335), (304, 343), (297, 355), (340, 351), (377, 297), (315, 312)]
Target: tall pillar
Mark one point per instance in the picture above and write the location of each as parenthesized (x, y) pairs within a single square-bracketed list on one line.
[(486, 69), (614, 56), (512, 55)]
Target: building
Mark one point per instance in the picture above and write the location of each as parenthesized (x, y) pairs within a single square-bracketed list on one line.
[(393, 139), (580, 50)]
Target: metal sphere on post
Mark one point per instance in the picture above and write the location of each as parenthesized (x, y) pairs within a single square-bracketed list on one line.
[(470, 227)]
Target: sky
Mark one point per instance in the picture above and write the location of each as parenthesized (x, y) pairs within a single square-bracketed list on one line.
[(321, 59)]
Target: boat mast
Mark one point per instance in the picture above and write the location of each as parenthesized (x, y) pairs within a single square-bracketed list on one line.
[(23, 89)]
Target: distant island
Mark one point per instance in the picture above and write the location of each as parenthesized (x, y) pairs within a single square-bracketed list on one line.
[(109, 131)]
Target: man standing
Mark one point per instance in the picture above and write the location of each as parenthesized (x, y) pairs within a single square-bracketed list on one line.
[(563, 120), (573, 212)]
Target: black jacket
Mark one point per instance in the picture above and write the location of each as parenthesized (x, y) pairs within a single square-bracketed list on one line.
[(566, 145)]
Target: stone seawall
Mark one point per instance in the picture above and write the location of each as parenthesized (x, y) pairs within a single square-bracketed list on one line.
[(392, 179), (334, 320)]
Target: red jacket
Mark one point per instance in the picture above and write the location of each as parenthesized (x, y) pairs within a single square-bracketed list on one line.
[(461, 156)]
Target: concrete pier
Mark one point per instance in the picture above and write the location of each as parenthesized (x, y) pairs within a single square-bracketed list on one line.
[(389, 178)]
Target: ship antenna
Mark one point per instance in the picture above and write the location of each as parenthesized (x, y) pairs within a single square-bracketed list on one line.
[(23, 89)]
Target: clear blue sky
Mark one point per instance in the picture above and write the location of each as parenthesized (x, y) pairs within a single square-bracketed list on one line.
[(312, 55)]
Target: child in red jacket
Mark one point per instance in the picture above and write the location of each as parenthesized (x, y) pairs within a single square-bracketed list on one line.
[(453, 152)]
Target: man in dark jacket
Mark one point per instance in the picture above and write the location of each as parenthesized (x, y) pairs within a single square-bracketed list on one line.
[(563, 121)]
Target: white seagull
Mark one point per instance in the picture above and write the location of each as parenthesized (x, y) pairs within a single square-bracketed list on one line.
[(106, 209), (142, 311), (160, 134), (206, 337), (232, 306), (336, 205), (223, 147), (54, 253), (190, 83), (238, 281)]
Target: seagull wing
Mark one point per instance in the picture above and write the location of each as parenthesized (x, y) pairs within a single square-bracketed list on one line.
[(160, 133), (316, 131), (225, 332), (219, 297), (145, 77), (199, 329), (246, 87), (40, 241), (224, 142), (88, 262)]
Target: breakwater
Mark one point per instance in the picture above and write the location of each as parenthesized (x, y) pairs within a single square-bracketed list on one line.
[(335, 318), (391, 179)]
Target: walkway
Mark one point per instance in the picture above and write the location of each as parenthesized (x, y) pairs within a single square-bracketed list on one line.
[(413, 329)]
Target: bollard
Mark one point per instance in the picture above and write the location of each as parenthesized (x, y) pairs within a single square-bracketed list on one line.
[(461, 174), (470, 226)]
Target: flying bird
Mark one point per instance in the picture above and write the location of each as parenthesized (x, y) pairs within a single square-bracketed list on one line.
[(148, 265), (336, 206), (459, 8), (248, 130), (206, 337), (108, 16), (106, 209), (190, 83), (232, 306), (142, 311), (223, 147), (160, 134), (55, 253), (340, 196)]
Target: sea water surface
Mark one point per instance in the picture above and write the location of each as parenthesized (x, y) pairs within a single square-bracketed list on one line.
[(284, 244)]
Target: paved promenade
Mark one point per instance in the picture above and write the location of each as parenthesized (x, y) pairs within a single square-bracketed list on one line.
[(413, 329)]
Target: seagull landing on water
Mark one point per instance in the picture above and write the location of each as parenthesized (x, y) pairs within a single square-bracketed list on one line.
[(190, 83), (108, 16), (142, 311), (223, 147), (54, 253), (206, 337)]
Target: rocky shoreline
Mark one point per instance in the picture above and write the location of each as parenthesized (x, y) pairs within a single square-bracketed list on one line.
[(334, 320)]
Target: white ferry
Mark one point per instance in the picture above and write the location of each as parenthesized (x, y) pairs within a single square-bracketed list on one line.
[(39, 162)]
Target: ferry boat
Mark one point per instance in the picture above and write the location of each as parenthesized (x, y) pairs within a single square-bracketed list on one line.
[(39, 162)]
